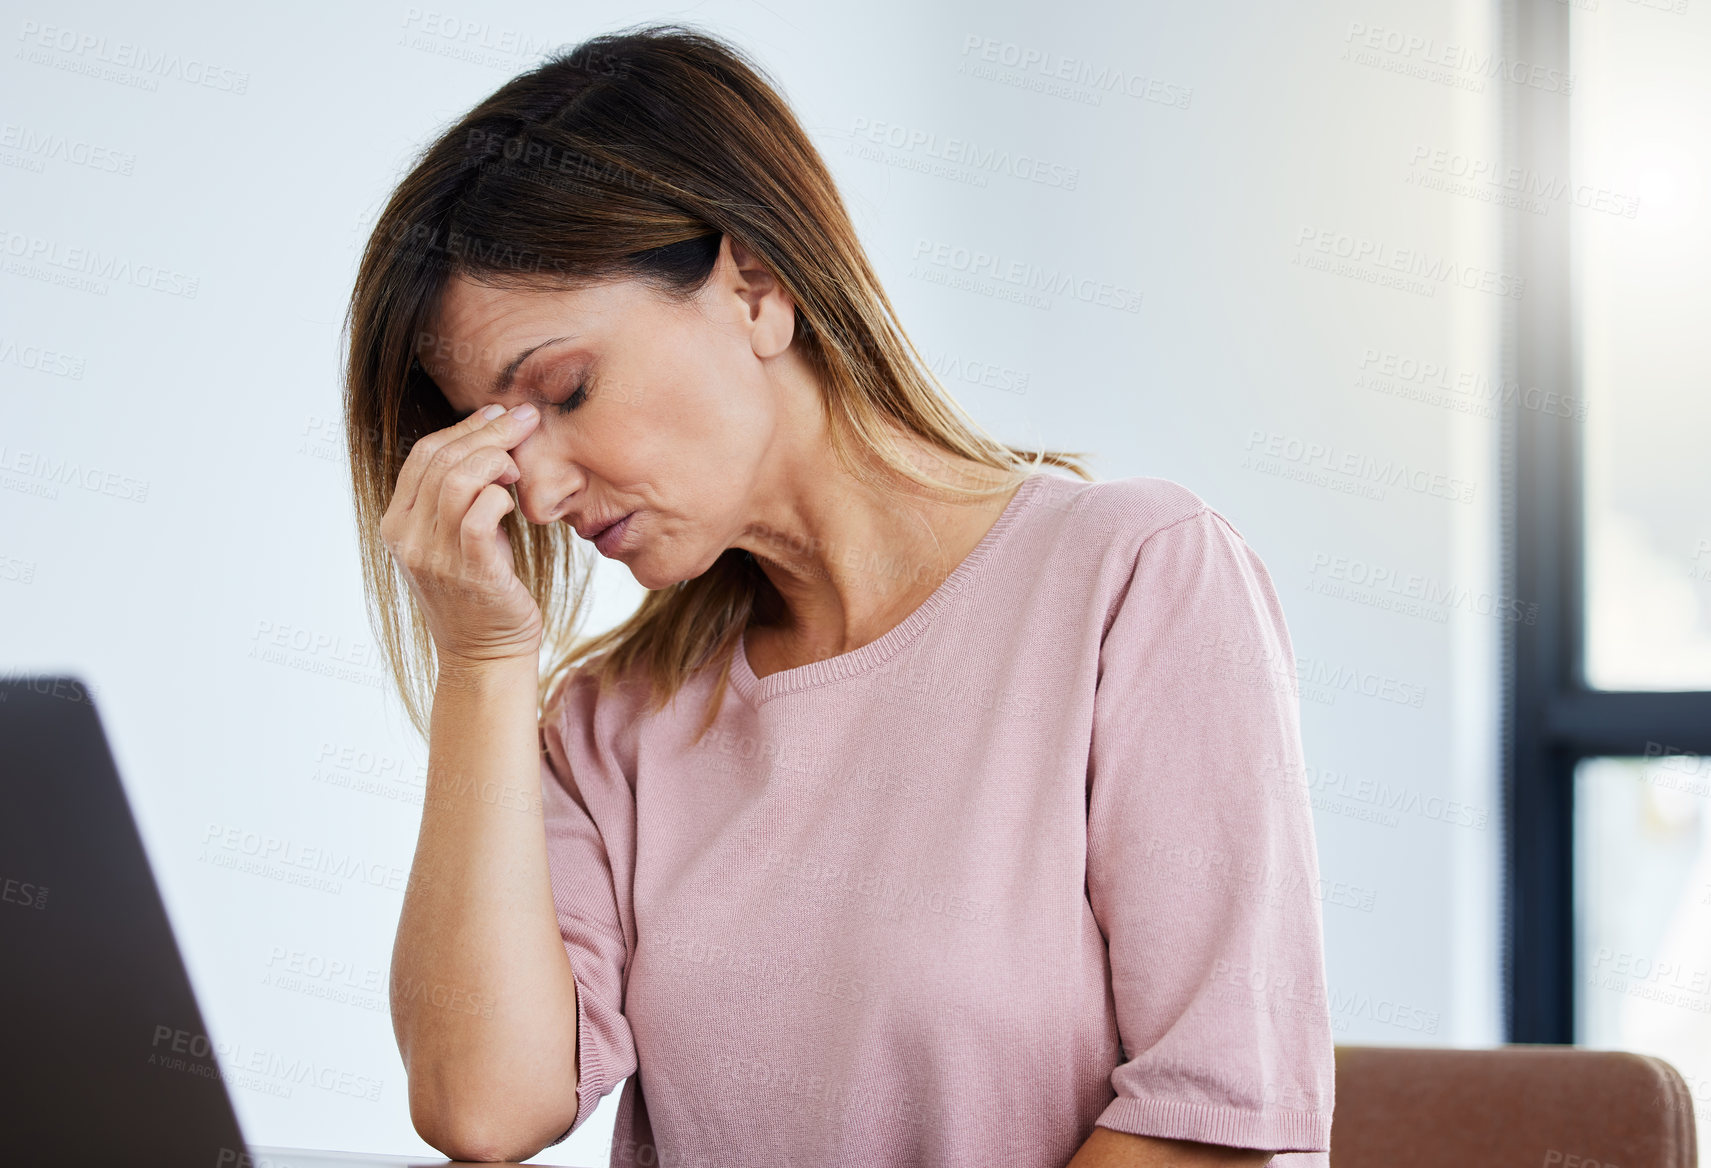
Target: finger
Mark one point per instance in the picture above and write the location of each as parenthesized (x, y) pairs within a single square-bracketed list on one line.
[(462, 484), (422, 452), (498, 436), (481, 524)]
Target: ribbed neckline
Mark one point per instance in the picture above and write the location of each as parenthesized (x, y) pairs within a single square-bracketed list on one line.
[(757, 690)]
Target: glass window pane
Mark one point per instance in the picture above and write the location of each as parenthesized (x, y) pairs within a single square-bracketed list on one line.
[(1642, 905), (1637, 199)]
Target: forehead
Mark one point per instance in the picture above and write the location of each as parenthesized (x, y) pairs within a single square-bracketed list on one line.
[(476, 330), (470, 320)]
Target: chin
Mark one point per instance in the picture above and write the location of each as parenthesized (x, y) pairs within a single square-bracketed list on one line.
[(653, 576), (651, 583), (650, 577)]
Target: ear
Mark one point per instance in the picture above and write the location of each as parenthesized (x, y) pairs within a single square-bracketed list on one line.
[(771, 313)]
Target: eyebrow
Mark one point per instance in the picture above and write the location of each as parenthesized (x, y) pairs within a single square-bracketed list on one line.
[(509, 374)]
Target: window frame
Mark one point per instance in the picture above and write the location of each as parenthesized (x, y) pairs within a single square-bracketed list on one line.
[(1551, 719)]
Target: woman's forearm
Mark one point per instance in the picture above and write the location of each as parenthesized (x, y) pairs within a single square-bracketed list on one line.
[(1107, 1148), (483, 998)]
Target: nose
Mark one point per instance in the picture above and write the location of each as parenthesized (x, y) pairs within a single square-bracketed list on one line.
[(546, 482)]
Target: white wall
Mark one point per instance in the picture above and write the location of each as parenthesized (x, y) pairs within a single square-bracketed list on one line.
[(174, 517)]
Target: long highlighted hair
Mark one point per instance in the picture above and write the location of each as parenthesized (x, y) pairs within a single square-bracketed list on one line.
[(630, 155)]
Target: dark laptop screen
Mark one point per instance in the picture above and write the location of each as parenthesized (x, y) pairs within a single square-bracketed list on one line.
[(106, 1052)]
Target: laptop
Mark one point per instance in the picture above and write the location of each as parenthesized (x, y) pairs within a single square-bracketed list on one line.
[(106, 1059)]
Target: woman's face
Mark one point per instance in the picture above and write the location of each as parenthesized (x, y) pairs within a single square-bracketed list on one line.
[(663, 412)]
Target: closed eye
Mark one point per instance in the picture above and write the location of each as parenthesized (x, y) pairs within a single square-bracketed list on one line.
[(574, 400)]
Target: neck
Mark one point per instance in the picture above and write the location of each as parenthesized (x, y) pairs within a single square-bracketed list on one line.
[(850, 560)]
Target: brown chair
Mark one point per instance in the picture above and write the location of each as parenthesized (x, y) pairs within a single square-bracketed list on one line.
[(1523, 1105)]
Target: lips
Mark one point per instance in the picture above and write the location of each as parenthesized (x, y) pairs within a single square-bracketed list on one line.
[(593, 532), (608, 541)]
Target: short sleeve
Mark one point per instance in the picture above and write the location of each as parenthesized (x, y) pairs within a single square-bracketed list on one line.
[(590, 812), (1202, 870)]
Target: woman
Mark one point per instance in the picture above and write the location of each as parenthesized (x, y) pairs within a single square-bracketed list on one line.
[(932, 808)]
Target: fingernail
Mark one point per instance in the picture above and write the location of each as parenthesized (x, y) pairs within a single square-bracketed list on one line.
[(492, 411), (523, 412)]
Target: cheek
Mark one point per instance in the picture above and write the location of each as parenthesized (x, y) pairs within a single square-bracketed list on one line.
[(726, 441), (697, 417), (697, 404)]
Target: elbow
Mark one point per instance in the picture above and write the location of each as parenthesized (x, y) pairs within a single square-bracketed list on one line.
[(476, 1142), (478, 1134), (457, 1137)]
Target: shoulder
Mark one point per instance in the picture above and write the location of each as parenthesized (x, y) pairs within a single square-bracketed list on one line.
[(594, 698), (1149, 539), (1119, 516), (1174, 586)]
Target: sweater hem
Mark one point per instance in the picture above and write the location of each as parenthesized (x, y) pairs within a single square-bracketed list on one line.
[(590, 1068), (1272, 1131)]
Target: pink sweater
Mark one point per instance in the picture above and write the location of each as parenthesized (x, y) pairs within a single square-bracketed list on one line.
[(1039, 858)]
